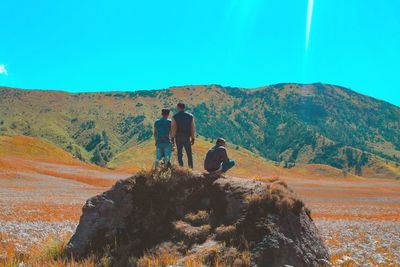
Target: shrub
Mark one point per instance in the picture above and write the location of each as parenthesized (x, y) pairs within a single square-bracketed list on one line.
[(192, 234), (197, 218), (278, 197), (165, 257), (225, 233)]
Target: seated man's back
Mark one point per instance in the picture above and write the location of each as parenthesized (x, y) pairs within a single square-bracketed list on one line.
[(217, 158)]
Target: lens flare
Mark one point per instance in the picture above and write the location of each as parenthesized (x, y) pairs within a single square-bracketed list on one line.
[(309, 21)]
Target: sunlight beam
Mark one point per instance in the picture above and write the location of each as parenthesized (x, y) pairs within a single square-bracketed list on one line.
[(309, 21)]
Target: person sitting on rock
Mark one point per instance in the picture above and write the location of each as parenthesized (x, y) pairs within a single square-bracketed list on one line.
[(162, 135), (217, 160)]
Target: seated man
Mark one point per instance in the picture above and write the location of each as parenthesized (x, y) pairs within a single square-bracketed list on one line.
[(217, 160)]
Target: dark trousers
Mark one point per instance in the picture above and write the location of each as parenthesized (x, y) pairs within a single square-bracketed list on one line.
[(184, 143)]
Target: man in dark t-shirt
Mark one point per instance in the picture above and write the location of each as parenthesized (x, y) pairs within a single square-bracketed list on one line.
[(217, 160), (183, 133)]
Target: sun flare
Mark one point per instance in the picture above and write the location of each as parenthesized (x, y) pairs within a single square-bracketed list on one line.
[(309, 21)]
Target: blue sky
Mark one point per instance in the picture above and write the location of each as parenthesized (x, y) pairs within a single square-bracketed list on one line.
[(130, 45)]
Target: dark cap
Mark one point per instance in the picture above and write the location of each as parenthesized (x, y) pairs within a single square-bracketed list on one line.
[(181, 105)]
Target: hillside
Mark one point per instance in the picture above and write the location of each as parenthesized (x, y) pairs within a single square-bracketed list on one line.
[(30, 148), (31, 159), (141, 156), (287, 123), (248, 165)]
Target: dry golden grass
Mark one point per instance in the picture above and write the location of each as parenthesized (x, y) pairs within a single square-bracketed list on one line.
[(225, 233), (345, 257), (164, 258), (193, 261), (101, 182), (315, 183), (197, 218), (278, 196), (192, 234), (213, 256), (15, 165), (6, 248), (24, 154), (50, 212), (47, 254), (32, 148), (348, 216), (343, 260)]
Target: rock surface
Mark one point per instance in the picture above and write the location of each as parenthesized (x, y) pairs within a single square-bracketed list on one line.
[(190, 212)]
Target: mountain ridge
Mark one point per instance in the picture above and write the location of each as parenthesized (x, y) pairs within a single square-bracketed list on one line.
[(192, 85)]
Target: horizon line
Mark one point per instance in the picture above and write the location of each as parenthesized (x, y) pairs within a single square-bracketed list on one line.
[(188, 85)]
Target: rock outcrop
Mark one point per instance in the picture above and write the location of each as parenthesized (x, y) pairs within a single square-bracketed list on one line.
[(198, 217)]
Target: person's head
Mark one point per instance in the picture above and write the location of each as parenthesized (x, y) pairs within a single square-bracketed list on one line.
[(165, 112), (221, 142), (180, 107)]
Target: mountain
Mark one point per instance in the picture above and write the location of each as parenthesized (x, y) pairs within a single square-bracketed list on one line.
[(286, 123)]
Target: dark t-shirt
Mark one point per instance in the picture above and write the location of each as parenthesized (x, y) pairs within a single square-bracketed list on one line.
[(184, 122), (215, 156)]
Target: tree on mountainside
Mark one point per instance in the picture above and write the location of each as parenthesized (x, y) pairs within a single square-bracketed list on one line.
[(88, 125), (358, 170), (69, 147), (94, 141), (361, 162), (98, 158), (105, 138)]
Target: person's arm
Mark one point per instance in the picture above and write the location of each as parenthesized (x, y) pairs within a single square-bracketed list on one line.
[(224, 155), (193, 131), (155, 132)]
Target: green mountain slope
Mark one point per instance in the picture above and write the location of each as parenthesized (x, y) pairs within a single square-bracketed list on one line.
[(287, 123)]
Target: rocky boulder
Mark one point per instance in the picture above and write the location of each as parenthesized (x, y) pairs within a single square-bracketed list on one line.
[(174, 217)]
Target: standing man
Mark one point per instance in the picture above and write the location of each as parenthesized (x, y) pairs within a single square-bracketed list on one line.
[(183, 133), (217, 160), (162, 135)]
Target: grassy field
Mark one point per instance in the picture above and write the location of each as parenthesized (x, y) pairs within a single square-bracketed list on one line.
[(42, 190)]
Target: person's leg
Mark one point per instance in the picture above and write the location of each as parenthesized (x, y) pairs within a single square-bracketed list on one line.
[(188, 149), (179, 147), (162, 151), (228, 165), (167, 154), (158, 155)]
